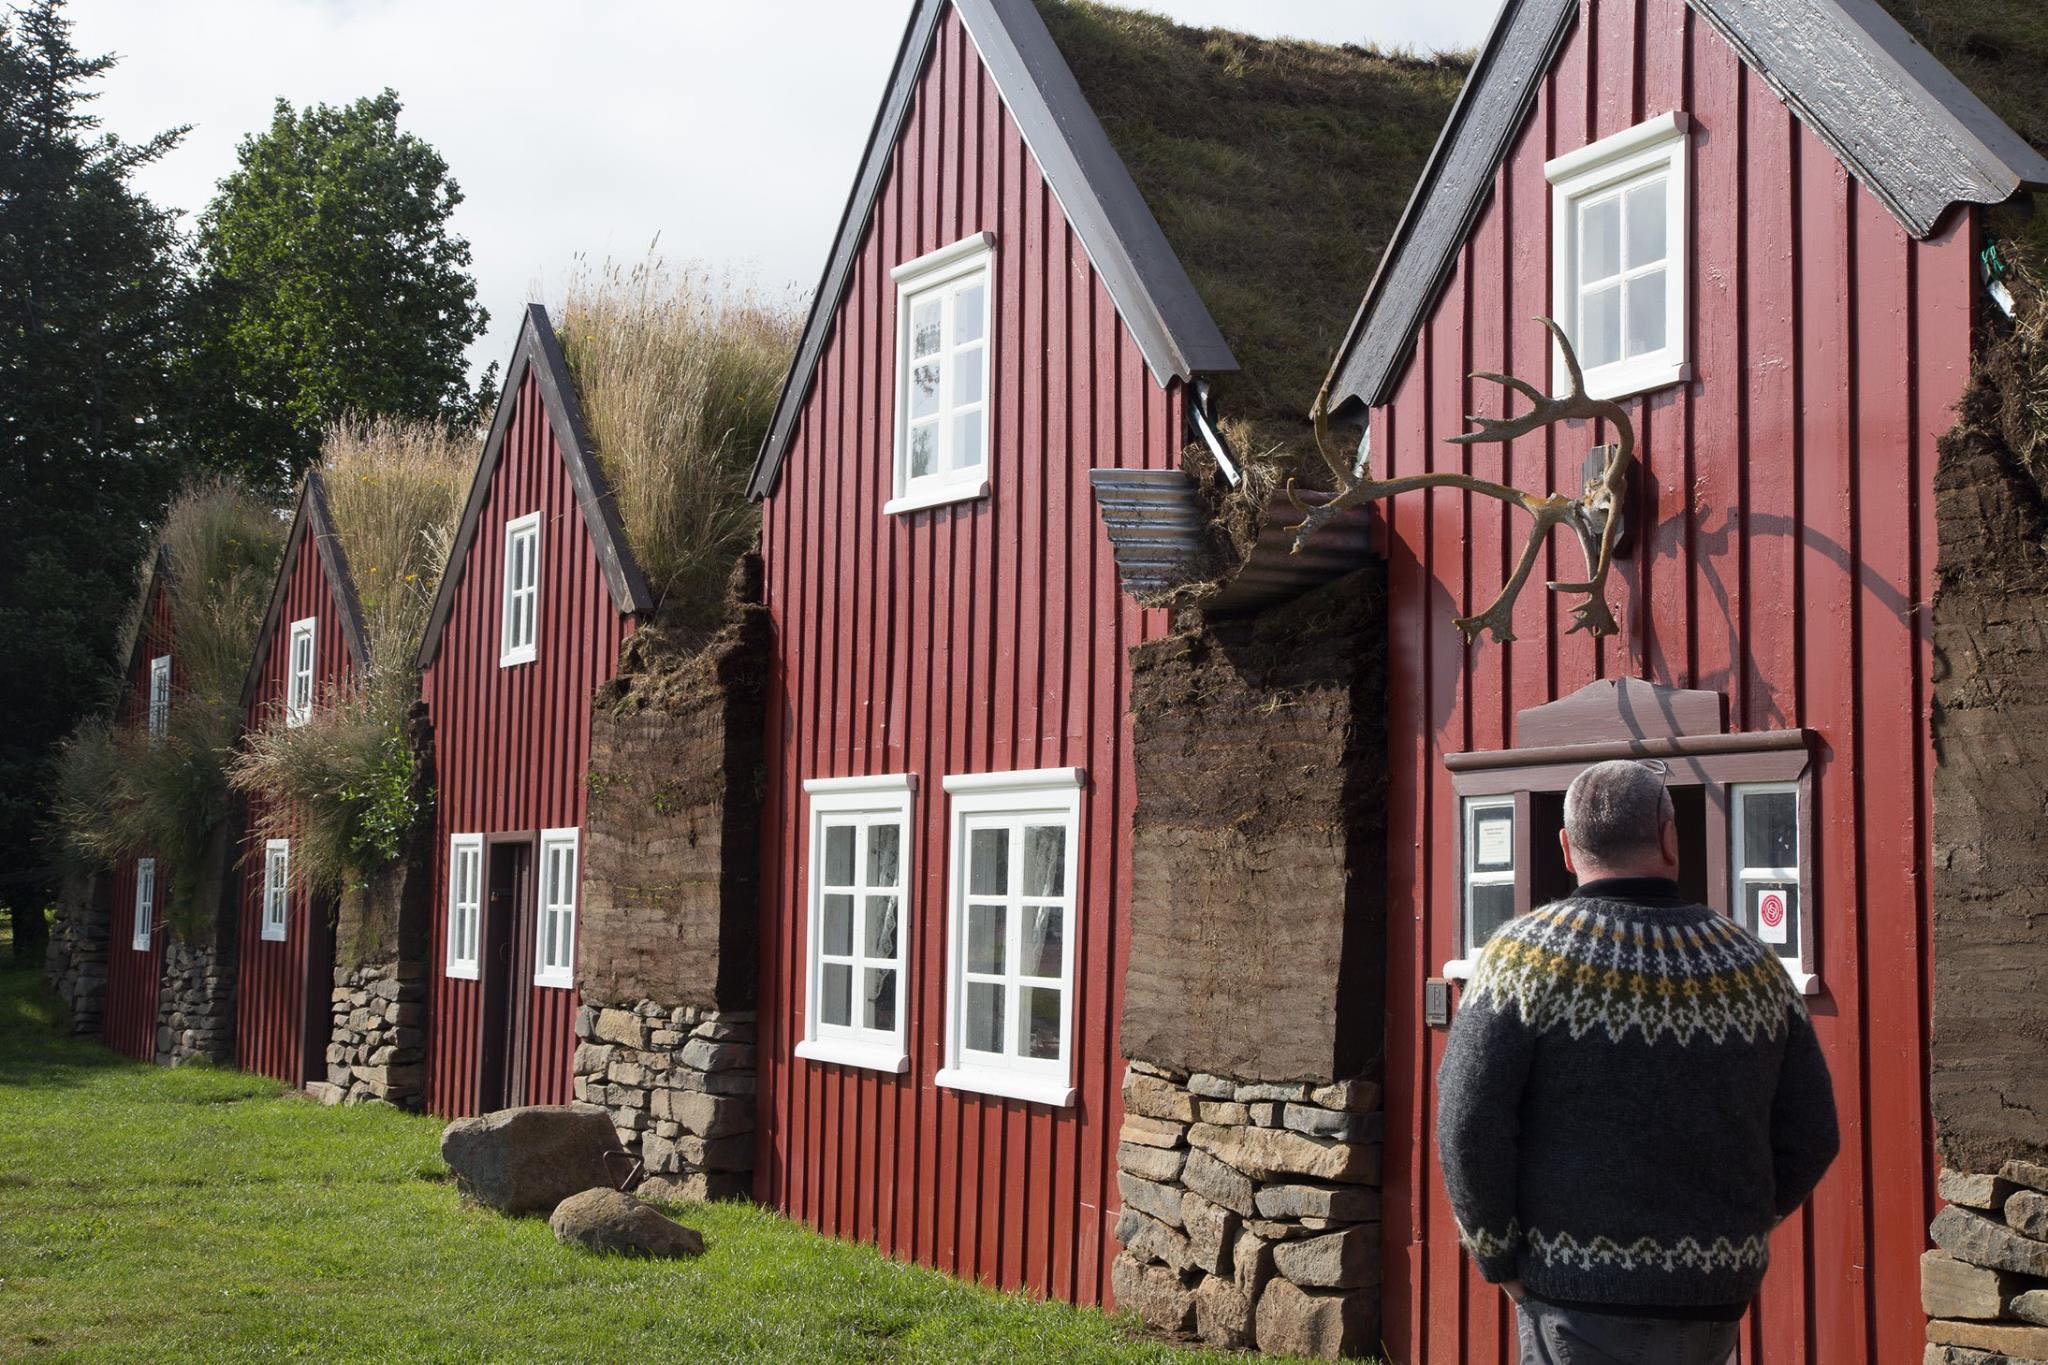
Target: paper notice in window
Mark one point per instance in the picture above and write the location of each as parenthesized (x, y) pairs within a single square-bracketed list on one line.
[(1496, 842), (1770, 916)]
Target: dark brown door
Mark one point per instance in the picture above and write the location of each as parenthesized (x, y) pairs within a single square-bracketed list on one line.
[(507, 970), (319, 1011)]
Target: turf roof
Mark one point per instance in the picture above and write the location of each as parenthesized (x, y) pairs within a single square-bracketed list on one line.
[(1276, 168)]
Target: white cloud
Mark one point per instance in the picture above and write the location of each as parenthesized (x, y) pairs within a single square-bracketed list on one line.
[(730, 128)]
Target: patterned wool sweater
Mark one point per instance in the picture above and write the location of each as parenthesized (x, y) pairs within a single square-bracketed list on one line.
[(1631, 1098)]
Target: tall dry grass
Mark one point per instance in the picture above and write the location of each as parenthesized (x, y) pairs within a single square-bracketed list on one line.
[(678, 371)]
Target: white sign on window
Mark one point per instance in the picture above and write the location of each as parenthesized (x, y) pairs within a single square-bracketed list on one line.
[(1496, 841), (1770, 916)]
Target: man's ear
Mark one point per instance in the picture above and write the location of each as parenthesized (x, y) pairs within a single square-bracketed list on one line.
[(1566, 845), (1669, 840)]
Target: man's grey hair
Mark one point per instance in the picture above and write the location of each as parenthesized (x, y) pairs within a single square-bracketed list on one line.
[(1616, 811)]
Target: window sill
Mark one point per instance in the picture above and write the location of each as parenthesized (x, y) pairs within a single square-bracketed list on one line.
[(460, 971), (272, 934), (1633, 381), (920, 499), (556, 982), (1806, 983), (138, 947), (1458, 969), (294, 719), (888, 1057), (1007, 1085), (517, 657)]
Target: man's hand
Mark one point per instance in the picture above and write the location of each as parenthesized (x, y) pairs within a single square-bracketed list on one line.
[(1513, 1289)]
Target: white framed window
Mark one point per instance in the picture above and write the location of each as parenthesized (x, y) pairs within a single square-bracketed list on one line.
[(858, 941), (521, 606), (145, 903), (1010, 933), (942, 375), (554, 958), (298, 673), (1487, 864), (159, 696), (465, 904), (1763, 862), (277, 860), (1618, 269)]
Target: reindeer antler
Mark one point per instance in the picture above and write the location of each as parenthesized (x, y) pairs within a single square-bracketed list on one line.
[(1598, 502)]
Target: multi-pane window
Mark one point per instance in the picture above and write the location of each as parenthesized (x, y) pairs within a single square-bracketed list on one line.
[(159, 696), (298, 678), (555, 956), (1619, 234), (465, 903), (859, 882), (145, 903), (1010, 995), (1764, 831), (277, 856), (521, 604), (1489, 870), (942, 365)]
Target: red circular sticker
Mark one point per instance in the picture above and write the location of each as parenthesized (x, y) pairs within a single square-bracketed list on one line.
[(1771, 909)]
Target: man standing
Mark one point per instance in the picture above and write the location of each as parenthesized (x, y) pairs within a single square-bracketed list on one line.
[(1631, 1099)]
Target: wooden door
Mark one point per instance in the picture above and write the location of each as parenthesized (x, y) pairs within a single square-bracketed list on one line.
[(506, 966)]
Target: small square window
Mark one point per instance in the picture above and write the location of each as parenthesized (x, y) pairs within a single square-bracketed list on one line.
[(1618, 238), (1764, 859), (465, 904), (860, 888), (298, 681), (1010, 993), (521, 607), (555, 954), (942, 363), (145, 904), (1489, 864), (159, 697), (277, 854)]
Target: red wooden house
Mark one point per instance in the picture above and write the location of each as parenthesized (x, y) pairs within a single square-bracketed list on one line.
[(1759, 224), (946, 855), (538, 595), (136, 929), (310, 649)]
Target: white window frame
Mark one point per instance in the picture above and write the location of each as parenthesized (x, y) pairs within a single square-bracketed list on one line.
[(1797, 957), (145, 904), (943, 272), (511, 649), (1661, 145), (561, 972), (1041, 795), (298, 673), (277, 888), (1460, 967), (159, 697), (863, 803), (464, 932)]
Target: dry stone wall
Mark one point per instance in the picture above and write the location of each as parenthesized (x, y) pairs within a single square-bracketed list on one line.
[(75, 964), (1985, 1286), (679, 1086), (195, 1013), (1251, 1211), (378, 1049)]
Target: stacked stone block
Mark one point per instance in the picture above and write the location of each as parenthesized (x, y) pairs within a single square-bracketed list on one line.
[(1985, 1288), (679, 1085), (378, 1050), (1251, 1211), (75, 963), (195, 1015)]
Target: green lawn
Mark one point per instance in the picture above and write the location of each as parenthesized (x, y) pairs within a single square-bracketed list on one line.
[(198, 1214)]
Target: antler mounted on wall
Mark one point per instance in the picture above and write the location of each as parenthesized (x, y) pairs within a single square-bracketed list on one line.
[(1593, 514)]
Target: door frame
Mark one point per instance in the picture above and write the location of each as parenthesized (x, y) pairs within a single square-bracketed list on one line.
[(505, 1006)]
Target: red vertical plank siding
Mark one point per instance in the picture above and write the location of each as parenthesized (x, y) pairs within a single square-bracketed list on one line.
[(1786, 550), (129, 1021), (983, 636), (273, 976), (512, 745)]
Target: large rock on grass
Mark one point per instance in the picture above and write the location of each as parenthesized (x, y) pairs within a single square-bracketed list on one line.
[(614, 1224), (530, 1159)]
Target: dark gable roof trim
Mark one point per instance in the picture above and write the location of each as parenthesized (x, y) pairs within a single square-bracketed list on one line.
[(157, 575), (1898, 119), (1153, 294), (538, 351), (311, 518)]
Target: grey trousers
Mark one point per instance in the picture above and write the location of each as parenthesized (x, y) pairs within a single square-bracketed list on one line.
[(1562, 1336)]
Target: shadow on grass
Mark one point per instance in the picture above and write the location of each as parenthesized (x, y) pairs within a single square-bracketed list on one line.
[(36, 1051)]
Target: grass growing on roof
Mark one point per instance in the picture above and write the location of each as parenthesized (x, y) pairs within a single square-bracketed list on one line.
[(213, 1217), (677, 371)]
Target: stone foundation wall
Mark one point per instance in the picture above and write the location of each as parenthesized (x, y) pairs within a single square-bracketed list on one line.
[(1985, 1290), (378, 1050), (75, 963), (195, 1013), (679, 1085), (1251, 1211)]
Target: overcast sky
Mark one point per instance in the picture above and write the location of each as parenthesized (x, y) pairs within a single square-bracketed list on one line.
[(730, 128)]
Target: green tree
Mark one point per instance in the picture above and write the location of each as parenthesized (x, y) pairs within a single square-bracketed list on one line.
[(327, 282), (88, 279)]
